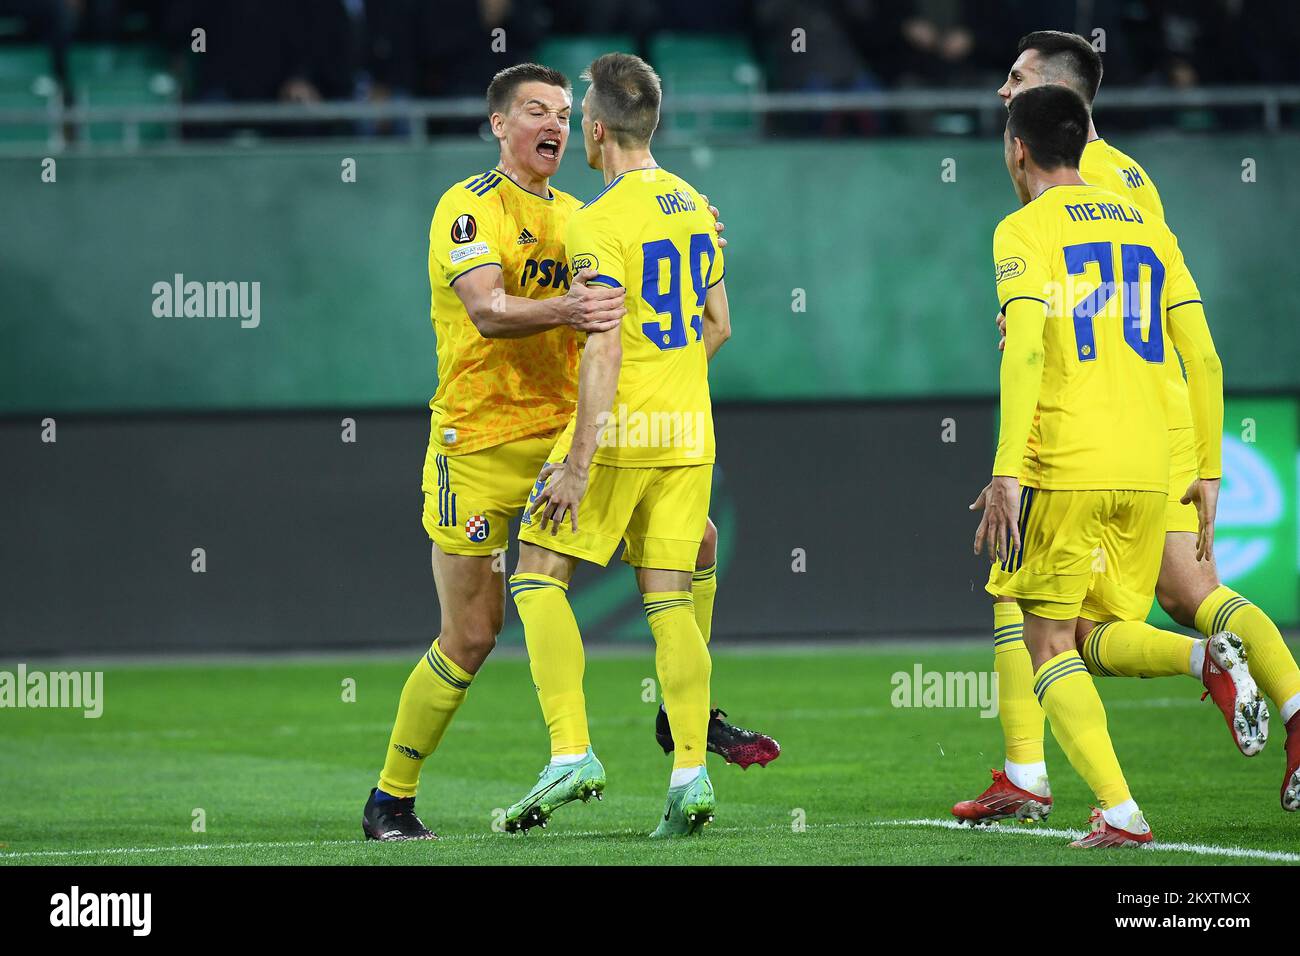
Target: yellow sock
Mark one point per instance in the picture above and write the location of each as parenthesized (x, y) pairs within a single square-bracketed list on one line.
[(1018, 710), (1136, 649), (1269, 659), (432, 695), (1066, 691), (556, 658), (704, 588), (682, 662)]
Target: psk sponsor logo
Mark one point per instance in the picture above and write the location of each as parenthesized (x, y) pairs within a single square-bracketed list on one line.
[(476, 528), (547, 272)]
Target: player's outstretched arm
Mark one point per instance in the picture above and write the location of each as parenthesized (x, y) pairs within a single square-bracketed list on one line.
[(717, 318), (598, 372), (1190, 333), (497, 315)]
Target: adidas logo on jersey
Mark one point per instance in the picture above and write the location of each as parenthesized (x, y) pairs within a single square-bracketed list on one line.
[(525, 238)]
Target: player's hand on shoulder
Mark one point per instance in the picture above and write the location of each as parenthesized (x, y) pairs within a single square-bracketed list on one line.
[(1000, 321), (717, 222), (592, 308)]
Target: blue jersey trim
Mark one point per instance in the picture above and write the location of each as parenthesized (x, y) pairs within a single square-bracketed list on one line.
[(1187, 302), (550, 198), (614, 182), (471, 269), (1063, 186), (607, 280), (484, 183)]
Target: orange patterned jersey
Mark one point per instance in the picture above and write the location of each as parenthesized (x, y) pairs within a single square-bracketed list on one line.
[(492, 391)]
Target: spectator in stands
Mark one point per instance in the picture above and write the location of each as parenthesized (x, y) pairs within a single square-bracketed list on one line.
[(47, 22), (461, 56), (829, 55)]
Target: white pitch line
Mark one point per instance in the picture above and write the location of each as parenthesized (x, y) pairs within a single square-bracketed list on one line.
[(294, 844), (129, 850), (1200, 849), (1036, 831)]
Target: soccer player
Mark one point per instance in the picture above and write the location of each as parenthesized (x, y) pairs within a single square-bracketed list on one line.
[(1188, 589), (508, 314), (636, 466), (1096, 297)]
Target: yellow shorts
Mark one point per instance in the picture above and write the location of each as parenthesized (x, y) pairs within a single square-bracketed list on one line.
[(470, 500), (659, 512), (1182, 472), (1178, 516), (1093, 554)]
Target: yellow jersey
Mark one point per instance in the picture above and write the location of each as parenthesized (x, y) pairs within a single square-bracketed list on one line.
[(492, 391), (1105, 166), (1108, 273), (649, 232)]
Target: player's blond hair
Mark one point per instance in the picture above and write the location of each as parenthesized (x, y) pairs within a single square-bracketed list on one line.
[(625, 97)]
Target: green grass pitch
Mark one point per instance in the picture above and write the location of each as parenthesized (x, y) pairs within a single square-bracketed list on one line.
[(280, 765)]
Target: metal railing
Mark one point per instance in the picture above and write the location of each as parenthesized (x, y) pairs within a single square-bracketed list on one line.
[(417, 114)]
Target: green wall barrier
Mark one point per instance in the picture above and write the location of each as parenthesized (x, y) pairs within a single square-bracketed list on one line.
[(890, 265)]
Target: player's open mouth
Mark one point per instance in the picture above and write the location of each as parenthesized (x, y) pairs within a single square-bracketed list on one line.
[(549, 148)]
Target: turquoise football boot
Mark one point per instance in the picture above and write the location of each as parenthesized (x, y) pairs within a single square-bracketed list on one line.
[(689, 809), (556, 786)]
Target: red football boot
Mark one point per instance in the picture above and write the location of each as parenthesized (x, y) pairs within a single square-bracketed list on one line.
[(1291, 782), (1002, 801), (1227, 680), (1105, 835)]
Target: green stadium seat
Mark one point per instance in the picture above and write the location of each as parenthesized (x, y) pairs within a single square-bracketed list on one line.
[(706, 65), (573, 54), (24, 62), (94, 63), (121, 75), (26, 82)]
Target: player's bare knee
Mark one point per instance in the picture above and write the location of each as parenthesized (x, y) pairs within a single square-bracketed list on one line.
[(1082, 628), (1174, 603), (1184, 582), (708, 553), (470, 643), (1182, 597), (481, 641)]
